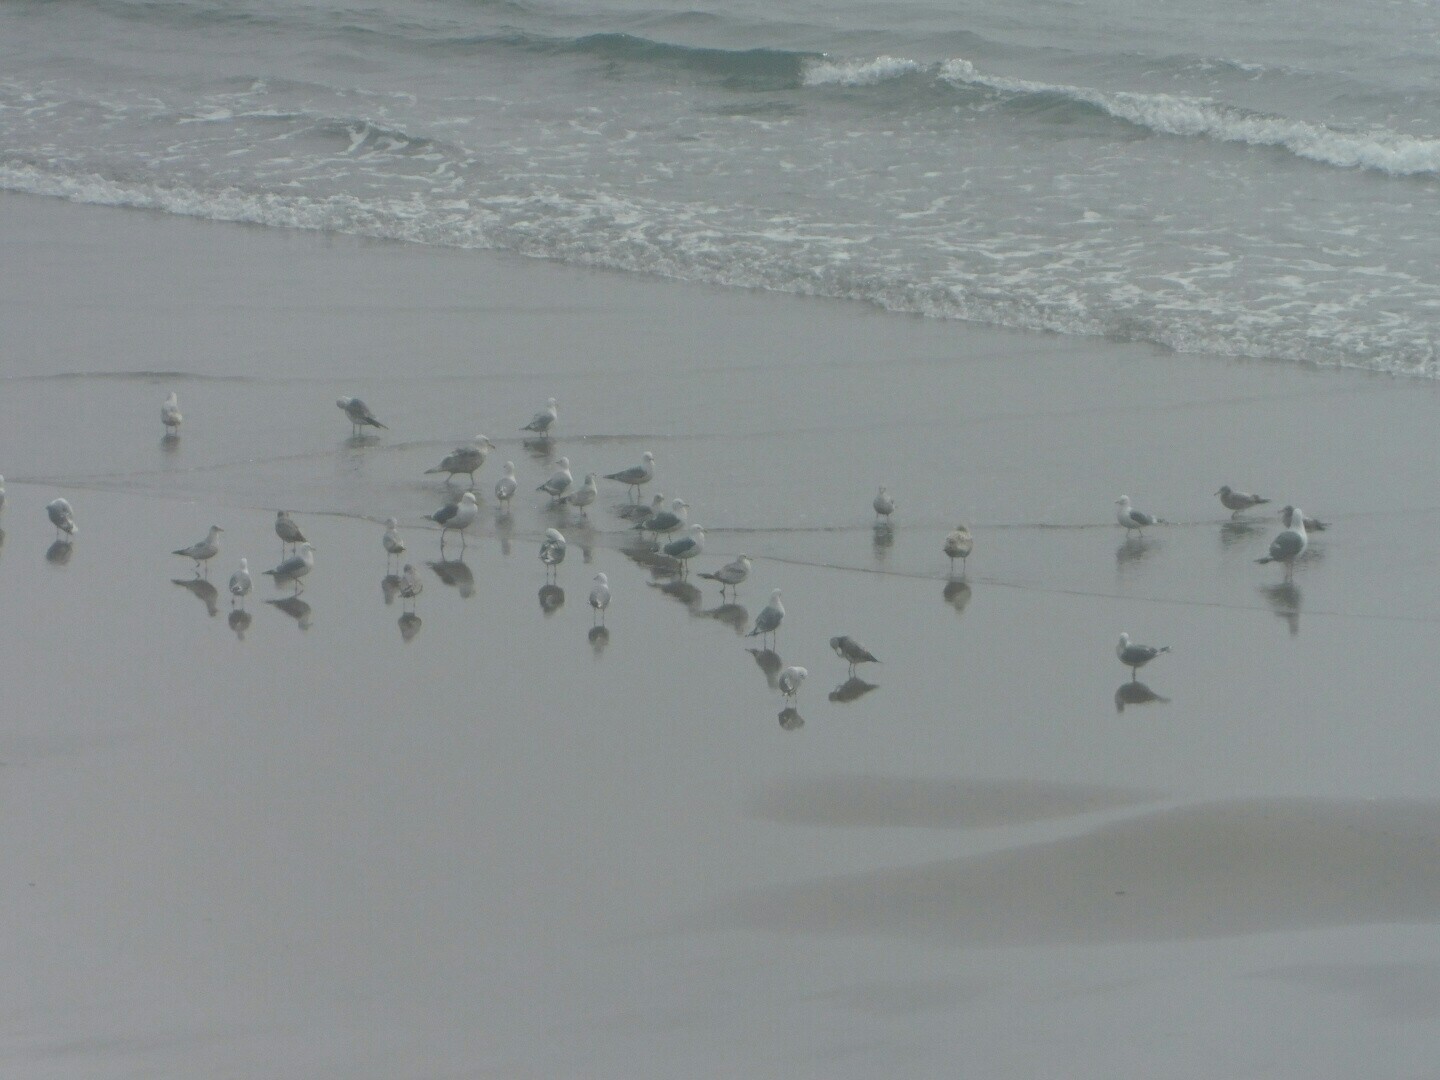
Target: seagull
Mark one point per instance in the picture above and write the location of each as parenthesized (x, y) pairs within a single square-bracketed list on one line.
[(240, 583), (410, 584), (552, 549), (958, 545), (62, 516), (1238, 500), (1311, 524), (1131, 518), (666, 521), (636, 474), (391, 541), (790, 680), (768, 621), (852, 652), (884, 505), (294, 568), (731, 574), (2, 493), (203, 550), (686, 548), (582, 496), (506, 485), (1290, 544), (464, 459), (560, 480), (600, 596), (542, 421), (1136, 656), (170, 415), (287, 530), (359, 414), (458, 515)]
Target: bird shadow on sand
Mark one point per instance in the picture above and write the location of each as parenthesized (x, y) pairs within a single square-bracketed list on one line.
[(681, 591), (240, 621), (297, 609), (735, 616), (1135, 693), (552, 598), (599, 637), (203, 591), (769, 662), (409, 624), (790, 719), (852, 689), (456, 574), (58, 553), (957, 594)]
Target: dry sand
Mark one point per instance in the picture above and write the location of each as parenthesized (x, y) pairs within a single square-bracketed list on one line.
[(503, 849)]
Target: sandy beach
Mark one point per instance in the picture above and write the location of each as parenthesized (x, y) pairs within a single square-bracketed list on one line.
[(309, 847)]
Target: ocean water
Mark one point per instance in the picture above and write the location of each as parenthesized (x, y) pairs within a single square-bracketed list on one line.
[(1232, 178)]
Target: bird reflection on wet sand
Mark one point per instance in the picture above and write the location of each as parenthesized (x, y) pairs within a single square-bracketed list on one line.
[(456, 574), (240, 622), (1284, 599), (296, 608), (409, 626), (790, 719), (598, 637), (390, 588), (770, 663), (206, 593), (1240, 531), (1135, 693), (58, 553), (1134, 548), (734, 616), (852, 689), (647, 557), (552, 597), (884, 540), (957, 595), (682, 591)]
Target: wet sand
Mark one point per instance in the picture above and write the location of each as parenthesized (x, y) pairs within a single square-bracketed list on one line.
[(500, 848)]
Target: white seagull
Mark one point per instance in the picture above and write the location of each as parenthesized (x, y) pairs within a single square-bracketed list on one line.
[(666, 521), (686, 548), (359, 414), (768, 621), (582, 496), (552, 549), (732, 573), (1290, 544), (464, 459), (560, 480), (1131, 518), (170, 414), (884, 505), (203, 550), (1238, 500), (543, 420), (506, 485), (240, 583), (295, 567), (2, 493), (1311, 524), (1136, 656), (287, 530), (636, 475), (410, 584), (458, 515), (391, 541), (62, 516), (852, 652), (600, 596), (958, 545), (790, 680)]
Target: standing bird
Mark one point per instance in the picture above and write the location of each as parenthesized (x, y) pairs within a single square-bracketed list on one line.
[(958, 545), (1290, 544), (1131, 518), (458, 515), (1136, 656), (359, 414), (544, 420), (62, 516), (560, 480), (852, 652), (240, 583), (552, 550), (287, 530), (1311, 524), (410, 584), (686, 548), (464, 459), (203, 550), (170, 414), (392, 543), (790, 680), (768, 621), (636, 475), (506, 485), (600, 596), (884, 506), (665, 521), (1238, 500), (295, 567), (582, 496), (731, 574)]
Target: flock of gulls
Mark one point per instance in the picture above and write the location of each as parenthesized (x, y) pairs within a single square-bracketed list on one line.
[(676, 540)]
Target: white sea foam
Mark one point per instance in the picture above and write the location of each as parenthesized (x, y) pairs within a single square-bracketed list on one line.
[(858, 72)]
